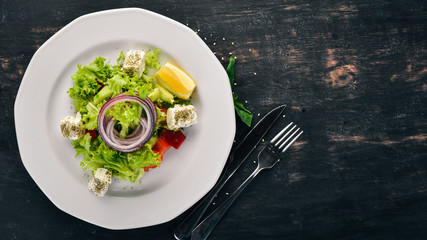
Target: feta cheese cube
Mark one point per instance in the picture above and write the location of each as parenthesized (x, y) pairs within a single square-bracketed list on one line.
[(98, 187), (72, 128), (134, 62), (100, 182), (181, 116), (104, 175)]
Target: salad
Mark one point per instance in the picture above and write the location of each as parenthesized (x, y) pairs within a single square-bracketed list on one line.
[(127, 119)]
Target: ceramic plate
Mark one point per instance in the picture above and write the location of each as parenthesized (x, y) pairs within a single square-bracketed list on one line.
[(185, 174)]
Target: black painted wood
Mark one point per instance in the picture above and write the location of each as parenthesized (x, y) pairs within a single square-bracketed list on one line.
[(353, 74)]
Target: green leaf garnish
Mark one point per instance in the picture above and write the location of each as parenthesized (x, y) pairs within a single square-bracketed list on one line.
[(244, 114)]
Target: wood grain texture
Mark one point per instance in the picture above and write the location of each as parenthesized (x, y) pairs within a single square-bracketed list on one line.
[(353, 74)]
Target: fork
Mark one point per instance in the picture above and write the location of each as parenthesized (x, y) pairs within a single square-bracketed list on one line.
[(267, 158)]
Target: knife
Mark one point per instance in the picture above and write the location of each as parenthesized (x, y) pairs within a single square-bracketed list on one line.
[(236, 158)]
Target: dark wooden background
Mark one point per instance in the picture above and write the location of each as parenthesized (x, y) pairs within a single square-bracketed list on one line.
[(353, 74)]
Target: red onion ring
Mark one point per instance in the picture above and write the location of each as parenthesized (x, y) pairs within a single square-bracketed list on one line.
[(139, 136)]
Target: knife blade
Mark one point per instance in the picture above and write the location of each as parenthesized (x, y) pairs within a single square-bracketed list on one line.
[(235, 160)]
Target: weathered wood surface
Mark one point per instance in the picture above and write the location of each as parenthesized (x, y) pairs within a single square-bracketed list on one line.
[(353, 74)]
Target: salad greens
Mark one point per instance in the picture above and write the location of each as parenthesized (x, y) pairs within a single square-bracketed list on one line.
[(96, 83), (86, 82), (244, 114), (127, 115), (151, 59), (126, 166)]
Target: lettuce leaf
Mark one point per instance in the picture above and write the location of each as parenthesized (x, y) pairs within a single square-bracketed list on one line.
[(144, 86), (120, 59), (86, 82), (161, 120), (117, 83), (134, 86), (127, 116), (90, 118), (151, 59), (126, 166)]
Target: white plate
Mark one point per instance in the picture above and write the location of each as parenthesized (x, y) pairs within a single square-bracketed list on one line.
[(185, 174)]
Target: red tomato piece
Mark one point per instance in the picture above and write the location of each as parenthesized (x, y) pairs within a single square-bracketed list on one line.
[(146, 169), (92, 133), (161, 146), (166, 140), (174, 138), (163, 109)]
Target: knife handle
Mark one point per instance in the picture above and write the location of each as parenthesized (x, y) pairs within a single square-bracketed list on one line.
[(202, 231), (185, 228)]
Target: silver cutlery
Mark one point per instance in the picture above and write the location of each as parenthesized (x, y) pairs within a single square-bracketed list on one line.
[(236, 159), (267, 158)]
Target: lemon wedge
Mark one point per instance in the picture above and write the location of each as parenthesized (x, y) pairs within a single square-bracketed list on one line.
[(175, 80)]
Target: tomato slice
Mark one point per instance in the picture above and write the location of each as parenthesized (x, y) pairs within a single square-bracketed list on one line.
[(174, 138)]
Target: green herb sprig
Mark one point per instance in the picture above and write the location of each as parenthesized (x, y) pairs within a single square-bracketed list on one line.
[(244, 114)]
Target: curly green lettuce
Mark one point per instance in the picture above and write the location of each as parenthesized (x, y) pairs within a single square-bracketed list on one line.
[(151, 59), (86, 82), (126, 166), (127, 115), (90, 118)]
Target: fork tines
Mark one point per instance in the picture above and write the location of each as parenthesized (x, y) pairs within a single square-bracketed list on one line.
[(284, 140)]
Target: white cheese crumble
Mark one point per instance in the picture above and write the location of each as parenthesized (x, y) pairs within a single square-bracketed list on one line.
[(100, 182), (72, 128), (104, 175), (134, 62), (181, 116)]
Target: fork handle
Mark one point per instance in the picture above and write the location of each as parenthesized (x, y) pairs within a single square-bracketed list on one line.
[(203, 230)]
